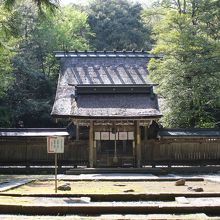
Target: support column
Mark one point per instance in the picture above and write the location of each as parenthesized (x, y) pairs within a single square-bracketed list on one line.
[(77, 132), (145, 133), (138, 144), (91, 142), (94, 154)]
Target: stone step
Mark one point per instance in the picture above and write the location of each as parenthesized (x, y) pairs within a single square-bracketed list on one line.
[(66, 205), (76, 171)]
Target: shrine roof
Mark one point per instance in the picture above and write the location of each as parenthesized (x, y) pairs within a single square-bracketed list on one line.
[(107, 105), (104, 69)]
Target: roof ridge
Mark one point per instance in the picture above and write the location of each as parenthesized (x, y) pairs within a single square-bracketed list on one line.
[(103, 51), (95, 53)]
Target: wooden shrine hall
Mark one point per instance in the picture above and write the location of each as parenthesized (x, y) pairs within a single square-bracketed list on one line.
[(109, 94)]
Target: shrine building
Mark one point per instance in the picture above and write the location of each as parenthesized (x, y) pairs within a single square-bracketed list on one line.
[(109, 94)]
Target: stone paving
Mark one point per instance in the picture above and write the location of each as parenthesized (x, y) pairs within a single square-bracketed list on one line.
[(10, 184), (11, 181)]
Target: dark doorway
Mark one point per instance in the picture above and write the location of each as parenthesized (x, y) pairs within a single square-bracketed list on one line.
[(115, 154)]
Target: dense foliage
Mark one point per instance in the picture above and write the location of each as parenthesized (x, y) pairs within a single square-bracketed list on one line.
[(117, 25), (33, 69), (185, 32), (188, 35), (49, 4)]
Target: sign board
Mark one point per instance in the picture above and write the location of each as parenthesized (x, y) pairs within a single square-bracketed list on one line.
[(55, 145)]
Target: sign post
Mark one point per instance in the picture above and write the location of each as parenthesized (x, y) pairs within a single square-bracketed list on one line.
[(55, 172), (55, 145)]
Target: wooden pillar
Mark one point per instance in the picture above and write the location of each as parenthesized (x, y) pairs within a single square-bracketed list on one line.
[(138, 144), (77, 132), (94, 153), (145, 133), (134, 153), (91, 142)]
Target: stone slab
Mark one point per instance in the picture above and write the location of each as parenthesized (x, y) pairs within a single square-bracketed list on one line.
[(109, 176), (13, 183), (208, 201), (198, 216), (64, 206), (182, 200)]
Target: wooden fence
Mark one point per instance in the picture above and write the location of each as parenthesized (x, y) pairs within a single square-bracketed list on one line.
[(166, 151), (33, 151), (181, 151)]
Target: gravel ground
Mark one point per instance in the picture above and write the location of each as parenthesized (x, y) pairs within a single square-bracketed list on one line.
[(111, 187)]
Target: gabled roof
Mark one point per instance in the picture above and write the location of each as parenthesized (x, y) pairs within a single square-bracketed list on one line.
[(103, 68)]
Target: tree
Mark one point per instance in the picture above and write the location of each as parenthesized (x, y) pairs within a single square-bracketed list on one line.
[(7, 42), (117, 25), (35, 70), (73, 30), (50, 4), (189, 73)]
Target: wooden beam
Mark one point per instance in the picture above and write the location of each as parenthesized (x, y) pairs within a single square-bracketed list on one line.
[(109, 121), (138, 144), (91, 142)]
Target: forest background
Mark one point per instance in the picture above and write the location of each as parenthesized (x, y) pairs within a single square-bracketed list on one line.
[(185, 32)]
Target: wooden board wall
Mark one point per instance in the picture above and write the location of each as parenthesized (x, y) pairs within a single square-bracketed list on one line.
[(181, 151), (33, 151)]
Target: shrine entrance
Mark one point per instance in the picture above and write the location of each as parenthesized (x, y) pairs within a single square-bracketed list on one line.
[(114, 142), (115, 150)]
